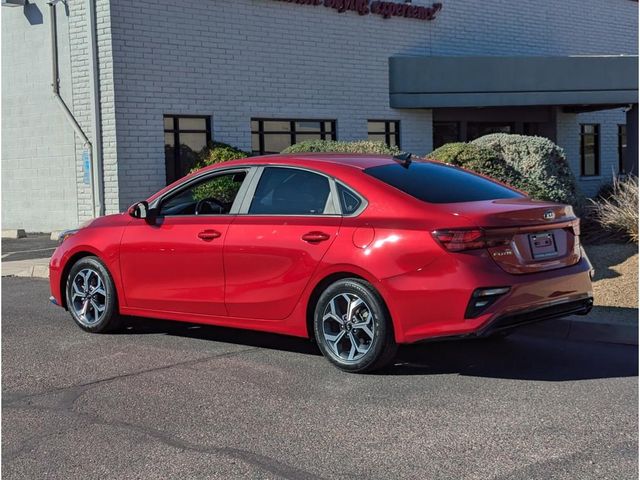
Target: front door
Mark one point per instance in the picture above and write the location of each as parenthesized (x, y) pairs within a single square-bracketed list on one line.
[(272, 251), (174, 263)]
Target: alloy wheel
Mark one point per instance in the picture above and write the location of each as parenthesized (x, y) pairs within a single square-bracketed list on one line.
[(348, 327), (88, 297)]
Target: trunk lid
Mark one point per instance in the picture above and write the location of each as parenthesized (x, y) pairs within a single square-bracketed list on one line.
[(540, 235)]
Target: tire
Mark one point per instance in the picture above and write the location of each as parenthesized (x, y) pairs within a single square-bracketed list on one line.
[(369, 327), (98, 299)]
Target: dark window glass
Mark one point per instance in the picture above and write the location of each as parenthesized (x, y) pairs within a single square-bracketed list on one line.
[(349, 201), (184, 137), (622, 147), (213, 196), (445, 132), (436, 183), (273, 136), (387, 131), (289, 191), (480, 129), (590, 149)]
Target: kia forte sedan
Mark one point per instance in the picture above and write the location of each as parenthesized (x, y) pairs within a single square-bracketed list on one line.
[(360, 253)]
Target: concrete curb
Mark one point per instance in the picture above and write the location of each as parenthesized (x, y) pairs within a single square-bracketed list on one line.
[(19, 233), (573, 328), (35, 268)]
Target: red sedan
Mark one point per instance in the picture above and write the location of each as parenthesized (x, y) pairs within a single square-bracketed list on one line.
[(361, 253)]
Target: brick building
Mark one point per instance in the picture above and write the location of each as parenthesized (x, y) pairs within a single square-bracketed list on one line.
[(144, 83)]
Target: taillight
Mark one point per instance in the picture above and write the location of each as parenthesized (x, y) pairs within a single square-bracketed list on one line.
[(459, 240)]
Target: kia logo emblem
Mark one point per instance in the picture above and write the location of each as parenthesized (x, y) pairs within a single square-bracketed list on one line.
[(549, 215)]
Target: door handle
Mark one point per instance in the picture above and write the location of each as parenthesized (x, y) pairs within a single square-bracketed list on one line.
[(208, 235), (315, 237)]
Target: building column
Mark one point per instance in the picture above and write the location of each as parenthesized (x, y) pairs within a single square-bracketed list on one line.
[(631, 157)]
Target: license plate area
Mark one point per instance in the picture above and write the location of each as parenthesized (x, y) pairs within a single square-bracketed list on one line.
[(543, 245)]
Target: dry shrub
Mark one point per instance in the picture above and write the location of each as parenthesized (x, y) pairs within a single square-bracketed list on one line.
[(619, 211)]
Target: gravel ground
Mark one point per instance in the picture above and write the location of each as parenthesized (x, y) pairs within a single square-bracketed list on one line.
[(616, 282)]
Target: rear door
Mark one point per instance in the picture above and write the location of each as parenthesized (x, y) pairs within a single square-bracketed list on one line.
[(288, 221)]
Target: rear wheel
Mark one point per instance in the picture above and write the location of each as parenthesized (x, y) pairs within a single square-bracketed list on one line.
[(353, 328), (91, 296)]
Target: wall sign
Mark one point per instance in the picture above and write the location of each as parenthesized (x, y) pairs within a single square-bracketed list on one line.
[(86, 167), (382, 8)]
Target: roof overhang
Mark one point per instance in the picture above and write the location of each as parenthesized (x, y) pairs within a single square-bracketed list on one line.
[(437, 82)]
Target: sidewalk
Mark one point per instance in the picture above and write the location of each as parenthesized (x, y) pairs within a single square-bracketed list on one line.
[(34, 267)]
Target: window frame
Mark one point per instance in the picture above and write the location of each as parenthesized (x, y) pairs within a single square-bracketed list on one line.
[(178, 189), (596, 147), (387, 131), (176, 138), (244, 197), (292, 132), (621, 127)]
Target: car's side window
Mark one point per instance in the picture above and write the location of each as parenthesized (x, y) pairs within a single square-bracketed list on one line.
[(212, 196), (291, 191), (349, 201)]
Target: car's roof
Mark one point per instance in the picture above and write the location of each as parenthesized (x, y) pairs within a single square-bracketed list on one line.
[(359, 161)]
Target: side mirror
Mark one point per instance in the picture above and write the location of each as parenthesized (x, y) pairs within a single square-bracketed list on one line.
[(139, 210)]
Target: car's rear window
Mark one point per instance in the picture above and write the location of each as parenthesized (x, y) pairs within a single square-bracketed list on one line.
[(439, 183)]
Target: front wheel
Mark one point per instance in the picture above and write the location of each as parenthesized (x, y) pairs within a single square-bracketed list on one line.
[(353, 328), (91, 296)]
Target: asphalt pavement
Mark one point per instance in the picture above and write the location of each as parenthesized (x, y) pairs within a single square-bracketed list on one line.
[(173, 400), (35, 245)]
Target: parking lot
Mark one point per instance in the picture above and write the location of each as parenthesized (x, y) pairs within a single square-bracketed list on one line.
[(171, 400)]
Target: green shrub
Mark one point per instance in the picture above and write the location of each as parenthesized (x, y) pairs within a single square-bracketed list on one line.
[(481, 160), (540, 161), (216, 152), (619, 212), (224, 189), (332, 146)]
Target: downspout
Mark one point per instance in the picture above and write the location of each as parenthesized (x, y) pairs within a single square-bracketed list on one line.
[(97, 205), (96, 127)]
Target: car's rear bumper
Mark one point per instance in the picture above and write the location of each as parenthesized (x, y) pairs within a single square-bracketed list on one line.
[(425, 306)]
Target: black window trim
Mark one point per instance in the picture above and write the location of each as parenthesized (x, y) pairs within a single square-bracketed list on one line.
[(621, 126), (178, 189), (387, 131), (176, 134), (292, 130), (251, 190), (596, 141)]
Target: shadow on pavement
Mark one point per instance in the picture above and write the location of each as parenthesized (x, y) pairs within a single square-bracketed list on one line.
[(519, 357)]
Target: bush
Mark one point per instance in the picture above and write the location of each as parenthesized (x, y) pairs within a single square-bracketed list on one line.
[(225, 189), (216, 152), (481, 160), (540, 161), (332, 146), (619, 212)]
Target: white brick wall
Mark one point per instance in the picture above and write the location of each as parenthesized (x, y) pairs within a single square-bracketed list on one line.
[(38, 181)]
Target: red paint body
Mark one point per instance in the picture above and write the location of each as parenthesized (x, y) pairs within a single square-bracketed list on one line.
[(257, 272)]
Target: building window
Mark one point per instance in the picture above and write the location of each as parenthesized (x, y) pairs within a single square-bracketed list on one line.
[(387, 131), (622, 147), (480, 129), (184, 137), (273, 136), (589, 149), (445, 132)]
